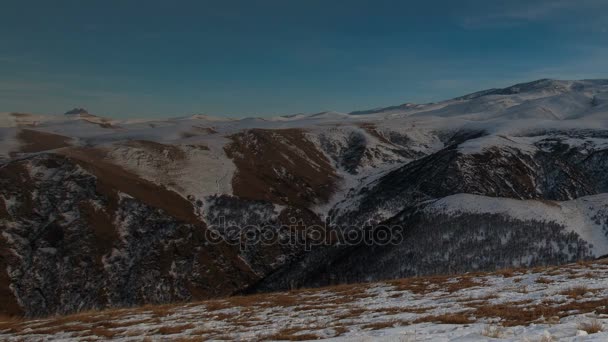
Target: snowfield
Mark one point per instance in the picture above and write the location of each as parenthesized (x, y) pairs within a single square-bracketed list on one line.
[(566, 303)]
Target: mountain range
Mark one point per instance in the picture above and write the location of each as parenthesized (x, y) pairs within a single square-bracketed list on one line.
[(98, 212)]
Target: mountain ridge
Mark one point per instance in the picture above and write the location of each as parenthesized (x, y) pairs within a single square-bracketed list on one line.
[(82, 194)]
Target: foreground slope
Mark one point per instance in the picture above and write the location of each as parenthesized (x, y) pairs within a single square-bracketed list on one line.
[(564, 303)]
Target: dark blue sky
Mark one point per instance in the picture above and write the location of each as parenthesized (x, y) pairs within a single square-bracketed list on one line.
[(243, 58)]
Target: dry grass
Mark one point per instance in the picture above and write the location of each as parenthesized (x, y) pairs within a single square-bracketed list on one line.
[(451, 318), (508, 272), (399, 310), (521, 313), (339, 330), (512, 314), (574, 275), (10, 323), (342, 305), (292, 334), (483, 298), (263, 300), (426, 285), (308, 173), (351, 313), (71, 328), (554, 272), (36, 141), (175, 329), (575, 292), (591, 327), (320, 306), (380, 325), (103, 332), (461, 284), (189, 339), (355, 291), (215, 305)]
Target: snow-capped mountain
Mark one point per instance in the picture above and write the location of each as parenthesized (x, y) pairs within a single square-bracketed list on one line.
[(97, 212)]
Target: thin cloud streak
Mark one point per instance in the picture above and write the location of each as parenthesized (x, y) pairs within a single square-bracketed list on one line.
[(517, 13)]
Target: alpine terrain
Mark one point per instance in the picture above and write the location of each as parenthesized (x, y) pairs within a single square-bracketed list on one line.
[(100, 213)]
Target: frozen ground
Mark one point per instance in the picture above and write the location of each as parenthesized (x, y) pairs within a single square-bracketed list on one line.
[(544, 304)]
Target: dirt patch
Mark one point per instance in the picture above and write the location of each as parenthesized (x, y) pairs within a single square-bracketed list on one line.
[(36, 141), (280, 166)]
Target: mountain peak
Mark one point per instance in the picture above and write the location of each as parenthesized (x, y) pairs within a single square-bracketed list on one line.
[(77, 111), (541, 84)]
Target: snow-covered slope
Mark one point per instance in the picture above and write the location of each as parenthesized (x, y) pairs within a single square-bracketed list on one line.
[(544, 304), (587, 216), (467, 179)]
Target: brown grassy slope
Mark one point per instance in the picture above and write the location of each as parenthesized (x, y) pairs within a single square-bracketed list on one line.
[(305, 175), (36, 141)]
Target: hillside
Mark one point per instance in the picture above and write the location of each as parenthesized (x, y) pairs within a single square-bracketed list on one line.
[(543, 304), (102, 213)]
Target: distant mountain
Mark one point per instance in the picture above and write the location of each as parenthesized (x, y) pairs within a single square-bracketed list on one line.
[(542, 99), (77, 111), (104, 213), (403, 107)]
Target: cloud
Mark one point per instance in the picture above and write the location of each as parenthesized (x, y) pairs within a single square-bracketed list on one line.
[(534, 11), (590, 62), (516, 13)]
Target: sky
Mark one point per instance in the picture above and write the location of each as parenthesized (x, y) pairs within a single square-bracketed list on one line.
[(127, 58)]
